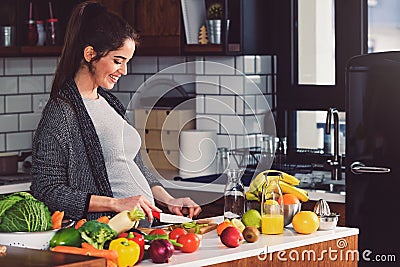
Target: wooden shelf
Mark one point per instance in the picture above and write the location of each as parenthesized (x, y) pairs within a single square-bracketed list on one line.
[(208, 48), (9, 51), (41, 50)]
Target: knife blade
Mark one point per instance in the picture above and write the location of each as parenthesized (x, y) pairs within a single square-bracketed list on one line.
[(170, 218)]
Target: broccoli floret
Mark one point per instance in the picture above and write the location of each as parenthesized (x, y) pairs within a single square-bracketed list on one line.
[(96, 233)]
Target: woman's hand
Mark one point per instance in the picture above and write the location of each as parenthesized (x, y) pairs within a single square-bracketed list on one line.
[(136, 201), (183, 206)]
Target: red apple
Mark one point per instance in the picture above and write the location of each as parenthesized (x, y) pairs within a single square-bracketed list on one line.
[(231, 237)]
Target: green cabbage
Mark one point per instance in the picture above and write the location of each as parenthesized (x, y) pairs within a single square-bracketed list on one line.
[(21, 212)]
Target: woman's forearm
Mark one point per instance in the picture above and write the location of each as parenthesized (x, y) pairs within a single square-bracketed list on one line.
[(102, 203), (161, 195)]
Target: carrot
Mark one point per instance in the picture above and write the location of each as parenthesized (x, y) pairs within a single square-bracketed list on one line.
[(111, 264), (79, 223), (56, 219), (103, 219), (111, 255), (88, 246)]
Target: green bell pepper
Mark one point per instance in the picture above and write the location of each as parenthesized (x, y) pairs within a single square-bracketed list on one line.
[(66, 237)]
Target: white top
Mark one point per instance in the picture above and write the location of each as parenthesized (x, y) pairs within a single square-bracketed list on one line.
[(120, 143)]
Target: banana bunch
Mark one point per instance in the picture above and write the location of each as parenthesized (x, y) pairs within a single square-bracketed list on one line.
[(287, 183)]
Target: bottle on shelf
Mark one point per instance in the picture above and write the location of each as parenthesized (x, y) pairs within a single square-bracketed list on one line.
[(272, 213), (32, 34), (41, 33)]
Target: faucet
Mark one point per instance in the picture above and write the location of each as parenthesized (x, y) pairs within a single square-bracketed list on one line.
[(336, 162)]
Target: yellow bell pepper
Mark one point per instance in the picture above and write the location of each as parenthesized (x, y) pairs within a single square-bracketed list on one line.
[(128, 251)]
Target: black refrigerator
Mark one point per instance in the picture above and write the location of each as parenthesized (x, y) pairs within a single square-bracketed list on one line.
[(373, 156)]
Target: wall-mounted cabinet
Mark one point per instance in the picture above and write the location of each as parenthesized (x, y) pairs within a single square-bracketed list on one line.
[(252, 26), (17, 14), (248, 27)]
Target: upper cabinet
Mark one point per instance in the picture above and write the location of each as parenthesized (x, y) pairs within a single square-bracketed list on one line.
[(248, 26)]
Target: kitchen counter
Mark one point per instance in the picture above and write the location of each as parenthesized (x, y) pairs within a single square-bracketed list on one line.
[(212, 251), (182, 188)]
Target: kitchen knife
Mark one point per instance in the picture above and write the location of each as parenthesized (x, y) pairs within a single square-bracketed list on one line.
[(170, 218)]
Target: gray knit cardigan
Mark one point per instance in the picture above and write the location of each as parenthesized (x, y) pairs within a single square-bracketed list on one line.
[(67, 160)]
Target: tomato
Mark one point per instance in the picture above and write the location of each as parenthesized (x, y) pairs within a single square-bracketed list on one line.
[(177, 232), (190, 242), (158, 231)]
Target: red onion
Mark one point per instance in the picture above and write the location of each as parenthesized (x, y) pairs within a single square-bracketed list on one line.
[(160, 250)]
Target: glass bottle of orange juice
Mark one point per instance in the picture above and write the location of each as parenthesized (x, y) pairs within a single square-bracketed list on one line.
[(272, 222)]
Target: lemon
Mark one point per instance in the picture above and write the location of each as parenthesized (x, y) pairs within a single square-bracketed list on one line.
[(305, 222), (238, 224), (271, 202), (252, 218)]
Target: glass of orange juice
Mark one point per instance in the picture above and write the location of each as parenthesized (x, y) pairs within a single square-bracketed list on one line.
[(272, 219)]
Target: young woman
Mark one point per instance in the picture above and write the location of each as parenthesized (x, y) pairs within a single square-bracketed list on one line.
[(86, 159)]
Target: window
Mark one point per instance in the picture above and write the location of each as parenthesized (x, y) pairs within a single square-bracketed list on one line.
[(316, 41)]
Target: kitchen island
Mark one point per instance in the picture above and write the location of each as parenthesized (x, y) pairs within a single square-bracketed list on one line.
[(337, 247)]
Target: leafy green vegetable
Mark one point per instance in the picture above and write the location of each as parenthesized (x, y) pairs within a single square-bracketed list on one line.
[(21, 212), (97, 233)]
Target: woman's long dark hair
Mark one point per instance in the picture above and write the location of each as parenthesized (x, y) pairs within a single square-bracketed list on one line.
[(90, 24)]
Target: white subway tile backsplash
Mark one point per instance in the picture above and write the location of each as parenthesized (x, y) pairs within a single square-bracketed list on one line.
[(125, 98), (1, 104), (29, 121), (199, 104), (220, 104), (44, 65), (219, 65), (48, 83), (207, 85), (1, 66), (31, 84), (263, 64), (239, 65), (130, 83), (246, 104), (262, 104), (207, 122), (8, 85), (249, 64), (17, 66), (39, 101), (18, 141), (2, 142), (18, 103), (232, 85), (228, 141), (187, 81), (254, 124), (256, 84), (8, 123), (232, 124), (172, 65), (243, 141), (144, 65)]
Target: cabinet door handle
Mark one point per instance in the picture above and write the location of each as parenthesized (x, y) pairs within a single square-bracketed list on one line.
[(360, 168)]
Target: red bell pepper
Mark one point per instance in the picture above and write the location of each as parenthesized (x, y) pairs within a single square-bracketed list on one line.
[(138, 239)]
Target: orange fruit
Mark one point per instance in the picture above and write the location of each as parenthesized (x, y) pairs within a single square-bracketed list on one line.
[(305, 222), (221, 227), (288, 199)]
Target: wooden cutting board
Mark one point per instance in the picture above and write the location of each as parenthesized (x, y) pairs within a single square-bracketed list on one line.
[(202, 229)]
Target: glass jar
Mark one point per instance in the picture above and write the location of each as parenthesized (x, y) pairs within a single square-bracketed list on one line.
[(41, 32), (51, 31), (234, 206), (272, 213), (222, 159), (32, 33)]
